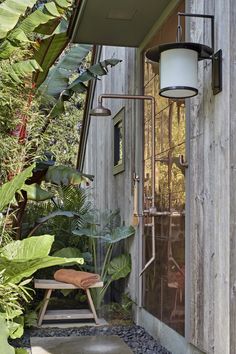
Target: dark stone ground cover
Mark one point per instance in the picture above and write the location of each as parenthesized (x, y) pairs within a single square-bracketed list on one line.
[(134, 336)]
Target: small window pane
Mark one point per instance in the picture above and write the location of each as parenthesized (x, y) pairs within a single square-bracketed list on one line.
[(118, 123)]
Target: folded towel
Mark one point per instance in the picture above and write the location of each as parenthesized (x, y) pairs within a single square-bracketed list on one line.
[(81, 279)]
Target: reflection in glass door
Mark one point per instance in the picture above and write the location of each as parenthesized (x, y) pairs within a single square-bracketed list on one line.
[(164, 280)]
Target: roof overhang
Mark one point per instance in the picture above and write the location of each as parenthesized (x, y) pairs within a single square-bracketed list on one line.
[(115, 22)]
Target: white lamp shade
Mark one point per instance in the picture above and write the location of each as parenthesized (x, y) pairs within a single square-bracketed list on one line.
[(179, 73)]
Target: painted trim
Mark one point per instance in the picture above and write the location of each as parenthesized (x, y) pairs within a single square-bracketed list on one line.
[(78, 14), (119, 117), (86, 116)]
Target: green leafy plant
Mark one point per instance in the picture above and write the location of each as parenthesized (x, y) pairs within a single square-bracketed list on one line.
[(104, 236), (19, 260)]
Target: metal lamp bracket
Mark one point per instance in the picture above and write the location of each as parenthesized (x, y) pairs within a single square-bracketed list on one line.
[(216, 57)]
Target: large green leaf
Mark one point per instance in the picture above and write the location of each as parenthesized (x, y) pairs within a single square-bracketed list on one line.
[(10, 12), (29, 248), (6, 348), (92, 73), (6, 49), (92, 233), (58, 77), (21, 259), (49, 50), (17, 270), (65, 175), (23, 69), (21, 351), (119, 267), (8, 190), (68, 252), (16, 327), (68, 214), (79, 86), (119, 233), (36, 193), (45, 20), (47, 15)]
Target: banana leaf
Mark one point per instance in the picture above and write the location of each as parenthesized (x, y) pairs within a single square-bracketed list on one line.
[(92, 73), (58, 77), (119, 267), (63, 4), (49, 50), (8, 190), (78, 85), (23, 69), (44, 20), (10, 12)]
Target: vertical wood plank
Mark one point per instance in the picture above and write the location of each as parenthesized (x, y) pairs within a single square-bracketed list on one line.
[(232, 179), (209, 192)]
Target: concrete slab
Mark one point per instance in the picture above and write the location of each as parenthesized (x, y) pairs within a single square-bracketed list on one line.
[(79, 345)]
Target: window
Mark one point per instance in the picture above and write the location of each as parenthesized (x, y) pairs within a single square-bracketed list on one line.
[(118, 151)]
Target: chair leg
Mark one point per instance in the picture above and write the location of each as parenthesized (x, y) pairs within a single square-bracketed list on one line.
[(44, 307), (91, 305)]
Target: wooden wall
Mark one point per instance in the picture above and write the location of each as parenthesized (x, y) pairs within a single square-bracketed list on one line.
[(211, 189)]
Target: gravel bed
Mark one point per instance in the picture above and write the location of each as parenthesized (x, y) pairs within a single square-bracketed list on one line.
[(134, 336)]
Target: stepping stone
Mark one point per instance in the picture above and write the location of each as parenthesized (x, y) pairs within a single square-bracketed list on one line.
[(79, 345)]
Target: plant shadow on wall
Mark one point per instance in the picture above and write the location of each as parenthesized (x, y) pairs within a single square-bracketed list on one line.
[(106, 235)]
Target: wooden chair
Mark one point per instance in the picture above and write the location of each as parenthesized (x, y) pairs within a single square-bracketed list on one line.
[(47, 315)]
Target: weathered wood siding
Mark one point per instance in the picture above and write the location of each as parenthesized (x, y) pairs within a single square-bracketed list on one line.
[(232, 73), (210, 190), (114, 191)]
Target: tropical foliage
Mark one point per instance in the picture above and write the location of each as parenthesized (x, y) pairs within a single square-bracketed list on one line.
[(19, 260), (105, 235), (43, 81)]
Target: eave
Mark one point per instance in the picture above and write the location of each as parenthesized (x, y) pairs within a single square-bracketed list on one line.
[(115, 23)]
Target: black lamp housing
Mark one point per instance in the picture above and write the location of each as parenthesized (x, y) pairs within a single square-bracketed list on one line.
[(178, 64)]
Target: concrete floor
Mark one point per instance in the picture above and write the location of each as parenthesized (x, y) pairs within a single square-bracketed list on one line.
[(79, 345)]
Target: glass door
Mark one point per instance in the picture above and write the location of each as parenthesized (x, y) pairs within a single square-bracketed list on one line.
[(164, 279)]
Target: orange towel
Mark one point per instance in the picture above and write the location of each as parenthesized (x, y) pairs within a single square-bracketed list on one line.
[(81, 279)]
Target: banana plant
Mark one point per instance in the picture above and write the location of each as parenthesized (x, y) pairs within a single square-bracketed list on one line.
[(11, 11), (43, 20), (49, 25), (78, 85)]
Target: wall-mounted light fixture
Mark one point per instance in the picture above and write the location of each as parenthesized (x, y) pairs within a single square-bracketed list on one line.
[(179, 64)]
